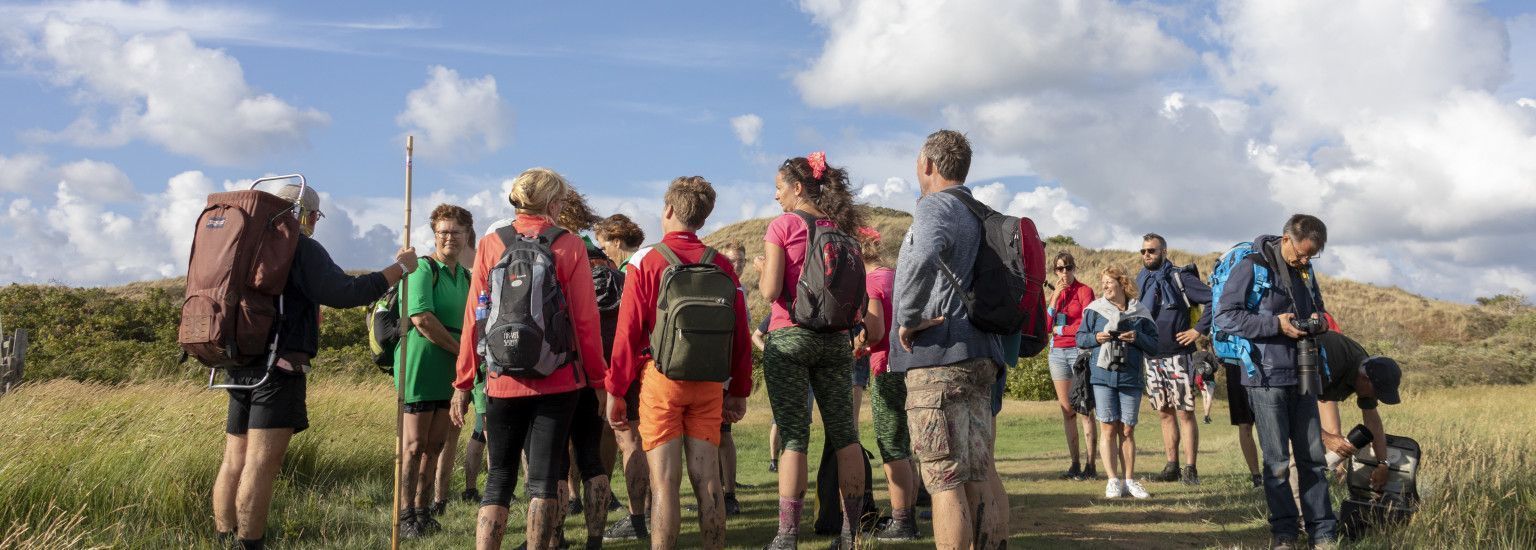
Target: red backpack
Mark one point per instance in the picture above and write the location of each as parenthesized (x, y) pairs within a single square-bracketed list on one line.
[(1007, 294), (242, 250)]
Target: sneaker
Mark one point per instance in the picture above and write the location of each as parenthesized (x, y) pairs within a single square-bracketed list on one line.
[(470, 495), (732, 506), (782, 541), (624, 529), (1114, 489), (574, 507), (1190, 476), (1135, 489), (1207, 419), (1258, 481), (1282, 543), (773, 465), (1073, 473), (409, 527), (898, 531), (1089, 473), (439, 507), (1169, 473)]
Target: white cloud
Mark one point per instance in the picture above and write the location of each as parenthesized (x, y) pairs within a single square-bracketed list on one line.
[(894, 192), (103, 181), (747, 127), (21, 173), (454, 117), (163, 88)]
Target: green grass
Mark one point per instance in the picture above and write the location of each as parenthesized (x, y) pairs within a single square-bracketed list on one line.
[(132, 466)]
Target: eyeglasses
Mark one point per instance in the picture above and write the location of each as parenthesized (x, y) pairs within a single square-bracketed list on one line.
[(1299, 256), (1065, 267), (1150, 251), (449, 234)]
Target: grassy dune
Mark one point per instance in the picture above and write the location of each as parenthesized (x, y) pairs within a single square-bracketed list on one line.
[(132, 466)]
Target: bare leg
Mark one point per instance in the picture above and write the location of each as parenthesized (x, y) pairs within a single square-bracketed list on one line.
[(1189, 436), (728, 462), (1128, 449), (666, 464), (597, 495), (412, 455), (490, 527), (994, 520), (703, 470), (263, 459), (1109, 448), (474, 462), (637, 474), (1250, 450), (850, 483), (792, 467), (227, 484), (952, 519), (1170, 434), (900, 484), (858, 404), (544, 521), (775, 444), (446, 457), (438, 425), (1090, 436)]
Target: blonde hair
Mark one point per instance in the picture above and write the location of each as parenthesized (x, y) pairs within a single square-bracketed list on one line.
[(1122, 280), (535, 189)]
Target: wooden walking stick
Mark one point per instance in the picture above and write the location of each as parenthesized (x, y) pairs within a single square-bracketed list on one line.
[(394, 532)]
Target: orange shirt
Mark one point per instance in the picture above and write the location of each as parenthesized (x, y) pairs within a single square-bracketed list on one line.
[(575, 278), (637, 315)]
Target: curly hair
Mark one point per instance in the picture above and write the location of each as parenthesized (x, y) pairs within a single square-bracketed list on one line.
[(830, 193), (869, 248), (457, 214), (1121, 279), (576, 216), (620, 228)]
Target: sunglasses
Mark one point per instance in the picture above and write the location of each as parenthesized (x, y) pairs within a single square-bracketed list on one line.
[(1065, 267), (1150, 251)]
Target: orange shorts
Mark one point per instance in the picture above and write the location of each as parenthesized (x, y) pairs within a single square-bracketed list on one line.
[(670, 409)]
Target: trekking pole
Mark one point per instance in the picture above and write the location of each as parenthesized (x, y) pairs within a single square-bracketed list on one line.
[(394, 532)]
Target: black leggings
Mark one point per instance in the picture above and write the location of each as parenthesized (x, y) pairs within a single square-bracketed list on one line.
[(538, 425), (586, 438)]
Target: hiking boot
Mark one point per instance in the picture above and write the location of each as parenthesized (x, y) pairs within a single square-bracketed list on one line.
[(409, 528), (1282, 543), (613, 504), (1089, 473), (1135, 489), (439, 507), (1114, 489), (1325, 544), (898, 531), (842, 542), (426, 524), (782, 541), (1170, 473), (626, 529), (574, 507), (470, 495), (732, 506), (1207, 419), (1190, 476), (1073, 473), (773, 465), (1258, 481)]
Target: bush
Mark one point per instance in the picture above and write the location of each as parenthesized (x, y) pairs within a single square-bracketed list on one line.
[(1030, 380)]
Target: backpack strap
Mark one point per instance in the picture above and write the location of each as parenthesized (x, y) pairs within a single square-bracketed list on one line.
[(667, 253), (975, 206), (709, 256), (507, 234), (810, 225), (550, 235)]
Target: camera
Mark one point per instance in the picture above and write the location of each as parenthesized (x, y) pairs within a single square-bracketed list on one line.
[(1308, 357), (1116, 350)]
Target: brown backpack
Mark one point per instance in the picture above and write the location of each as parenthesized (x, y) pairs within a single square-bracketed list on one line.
[(241, 252)]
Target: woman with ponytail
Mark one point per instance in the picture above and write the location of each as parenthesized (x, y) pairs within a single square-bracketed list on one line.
[(796, 357)]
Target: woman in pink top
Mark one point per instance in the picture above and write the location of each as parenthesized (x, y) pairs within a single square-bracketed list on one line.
[(888, 394), (1066, 315)]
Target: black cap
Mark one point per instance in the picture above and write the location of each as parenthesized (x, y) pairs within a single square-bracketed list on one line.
[(1385, 377)]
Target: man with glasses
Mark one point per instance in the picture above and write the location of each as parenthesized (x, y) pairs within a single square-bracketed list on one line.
[(1286, 417), (1172, 294)]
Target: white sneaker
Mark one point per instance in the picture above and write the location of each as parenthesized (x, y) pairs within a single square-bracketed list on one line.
[(1135, 489), (1113, 489)]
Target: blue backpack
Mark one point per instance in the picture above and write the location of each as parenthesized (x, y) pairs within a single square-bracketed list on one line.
[(1231, 347)]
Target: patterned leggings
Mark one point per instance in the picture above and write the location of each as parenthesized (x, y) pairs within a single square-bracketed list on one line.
[(796, 358), (888, 401)]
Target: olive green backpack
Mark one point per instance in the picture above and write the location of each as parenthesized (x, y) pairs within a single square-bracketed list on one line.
[(695, 319)]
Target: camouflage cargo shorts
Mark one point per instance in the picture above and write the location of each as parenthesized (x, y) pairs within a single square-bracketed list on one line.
[(949, 412)]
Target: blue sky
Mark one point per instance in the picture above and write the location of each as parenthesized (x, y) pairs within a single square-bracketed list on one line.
[(1205, 121)]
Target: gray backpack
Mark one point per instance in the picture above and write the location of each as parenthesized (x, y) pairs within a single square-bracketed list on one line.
[(695, 319), (528, 333)]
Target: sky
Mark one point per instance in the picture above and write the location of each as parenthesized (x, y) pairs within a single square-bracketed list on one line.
[(1409, 126)]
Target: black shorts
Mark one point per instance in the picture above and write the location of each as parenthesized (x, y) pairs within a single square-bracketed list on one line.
[(632, 402), (277, 404), (426, 406), (538, 426), (586, 436), (1237, 395)]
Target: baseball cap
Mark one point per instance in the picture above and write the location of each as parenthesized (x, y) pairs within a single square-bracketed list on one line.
[(1385, 377), (311, 201)]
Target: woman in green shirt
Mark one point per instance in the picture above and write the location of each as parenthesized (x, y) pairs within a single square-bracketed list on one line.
[(435, 299)]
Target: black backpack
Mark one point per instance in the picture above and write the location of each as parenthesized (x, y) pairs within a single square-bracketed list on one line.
[(829, 501), (384, 327), (1007, 294), (528, 333), (830, 296), (1080, 397), (607, 281)]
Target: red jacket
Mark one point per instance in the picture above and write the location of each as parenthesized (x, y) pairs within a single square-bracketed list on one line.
[(637, 315), (1071, 301), (575, 278)]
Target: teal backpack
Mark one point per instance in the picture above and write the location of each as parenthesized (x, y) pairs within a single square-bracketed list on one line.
[(1230, 347)]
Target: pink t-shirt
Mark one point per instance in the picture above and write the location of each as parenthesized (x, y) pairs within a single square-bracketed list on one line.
[(788, 232), (881, 284)]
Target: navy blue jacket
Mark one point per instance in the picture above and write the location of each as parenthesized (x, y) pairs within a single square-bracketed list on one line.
[(313, 281), (1169, 312), (1128, 376), (1275, 353)]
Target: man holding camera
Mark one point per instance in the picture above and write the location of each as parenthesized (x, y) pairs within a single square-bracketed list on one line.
[(1370, 379), (1281, 318), (1171, 294)]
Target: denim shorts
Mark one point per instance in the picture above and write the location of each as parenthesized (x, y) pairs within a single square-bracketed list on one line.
[(1116, 404), (861, 372), (1061, 360)]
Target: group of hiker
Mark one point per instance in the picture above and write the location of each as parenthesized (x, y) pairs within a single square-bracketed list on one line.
[(566, 364)]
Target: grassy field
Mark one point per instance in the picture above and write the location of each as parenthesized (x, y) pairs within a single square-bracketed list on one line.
[(132, 466)]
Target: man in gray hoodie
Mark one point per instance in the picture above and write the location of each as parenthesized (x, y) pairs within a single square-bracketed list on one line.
[(951, 365)]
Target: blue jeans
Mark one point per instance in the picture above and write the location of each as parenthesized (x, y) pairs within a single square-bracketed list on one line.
[(1286, 420), (1121, 405)]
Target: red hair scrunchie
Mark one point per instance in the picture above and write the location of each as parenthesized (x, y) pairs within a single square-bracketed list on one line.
[(818, 162)]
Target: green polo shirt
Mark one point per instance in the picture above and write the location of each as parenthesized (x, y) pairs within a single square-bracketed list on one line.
[(428, 370)]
